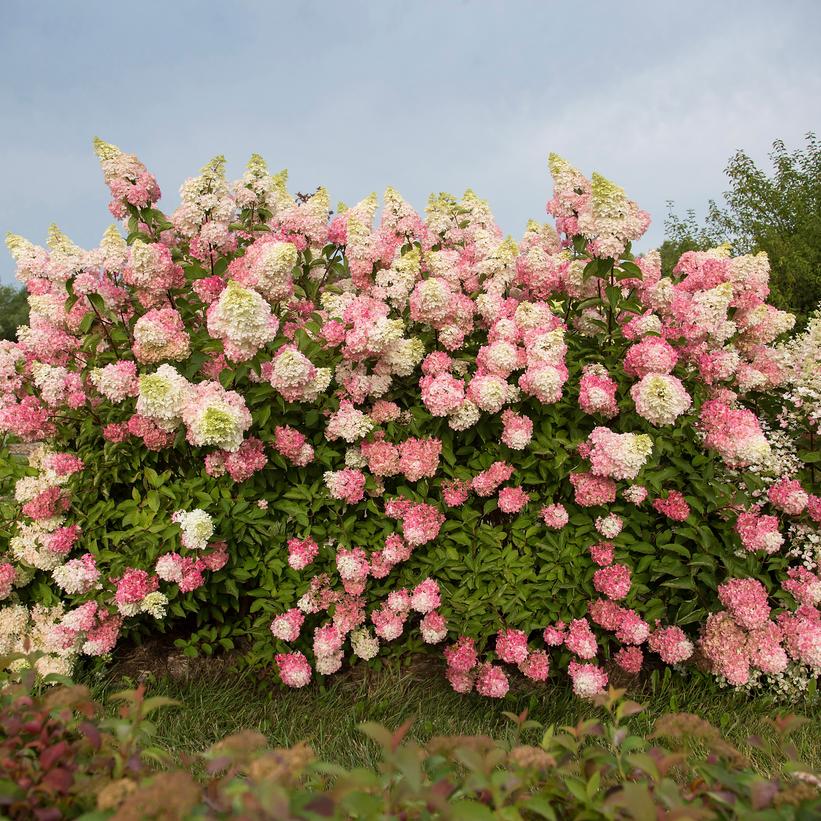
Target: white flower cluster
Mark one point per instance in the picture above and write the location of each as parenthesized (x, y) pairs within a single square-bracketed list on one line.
[(154, 604), (273, 268), (143, 262), (204, 198), (114, 382), (805, 545), (710, 312), (498, 266), (430, 300), (801, 356), (215, 416), (197, 528), (25, 631), (465, 416), (27, 487), (364, 644), (76, 576), (788, 686), (348, 423), (163, 396), (243, 320), (395, 284), (27, 545), (259, 189), (402, 357), (660, 398), (50, 380)]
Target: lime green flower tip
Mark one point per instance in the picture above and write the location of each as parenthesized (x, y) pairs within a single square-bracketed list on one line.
[(559, 165), (215, 167), (58, 241), (154, 387), (17, 245), (105, 151), (112, 238), (257, 165), (603, 189), (217, 425)]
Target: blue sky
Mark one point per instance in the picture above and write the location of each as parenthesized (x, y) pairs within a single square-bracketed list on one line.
[(425, 96)]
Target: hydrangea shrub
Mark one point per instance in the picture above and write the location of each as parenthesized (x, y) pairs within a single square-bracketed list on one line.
[(336, 434)]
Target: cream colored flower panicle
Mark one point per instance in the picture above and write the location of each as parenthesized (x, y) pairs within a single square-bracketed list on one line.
[(255, 186), (106, 151), (567, 179), (163, 396), (205, 198), (281, 199), (197, 528), (19, 247), (365, 210), (113, 250), (243, 320), (273, 269), (215, 416)]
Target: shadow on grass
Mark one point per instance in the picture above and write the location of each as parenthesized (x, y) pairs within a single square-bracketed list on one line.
[(216, 701)]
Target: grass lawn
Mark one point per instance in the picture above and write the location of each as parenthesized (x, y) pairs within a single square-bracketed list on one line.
[(216, 702)]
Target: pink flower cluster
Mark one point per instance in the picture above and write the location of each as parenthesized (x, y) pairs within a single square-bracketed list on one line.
[(518, 430), (347, 485), (301, 552), (420, 522), (744, 637), (241, 464), (674, 506), (613, 581), (293, 445), (486, 482), (597, 392), (465, 671), (128, 179), (591, 490), (788, 496), (555, 516), (651, 355), (734, 432), (758, 532)]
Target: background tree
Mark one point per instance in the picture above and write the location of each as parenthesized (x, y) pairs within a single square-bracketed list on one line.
[(778, 213), (14, 310)]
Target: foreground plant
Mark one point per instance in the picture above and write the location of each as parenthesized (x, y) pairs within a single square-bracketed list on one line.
[(259, 414), (63, 757)]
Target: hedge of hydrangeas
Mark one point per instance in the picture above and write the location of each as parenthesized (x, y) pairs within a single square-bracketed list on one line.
[(336, 434)]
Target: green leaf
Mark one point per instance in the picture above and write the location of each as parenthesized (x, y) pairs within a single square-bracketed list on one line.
[(86, 322), (470, 810)]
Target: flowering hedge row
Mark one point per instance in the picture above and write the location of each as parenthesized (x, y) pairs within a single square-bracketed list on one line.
[(261, 413)]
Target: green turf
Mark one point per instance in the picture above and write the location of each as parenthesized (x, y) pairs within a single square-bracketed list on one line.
[(220, 703)]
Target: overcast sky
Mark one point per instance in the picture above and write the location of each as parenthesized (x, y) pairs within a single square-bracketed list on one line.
[(424, 96)]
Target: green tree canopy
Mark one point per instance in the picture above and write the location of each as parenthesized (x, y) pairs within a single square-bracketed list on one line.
[(779, 213), (14, 310)]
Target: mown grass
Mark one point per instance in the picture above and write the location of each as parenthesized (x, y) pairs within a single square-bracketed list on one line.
[(221, 702)]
